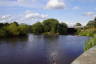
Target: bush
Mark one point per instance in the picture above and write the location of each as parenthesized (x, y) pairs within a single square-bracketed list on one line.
[(2, 33), (12, 29), (88, 32), (23, 29), (90, 43)]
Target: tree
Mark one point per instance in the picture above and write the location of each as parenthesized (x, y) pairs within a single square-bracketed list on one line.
[(78, 24), (12, 29), (23, 29), (2, 33), (37, 28), (50, 25), (62, 28), (15, 23), (91, 24), (1, 25)]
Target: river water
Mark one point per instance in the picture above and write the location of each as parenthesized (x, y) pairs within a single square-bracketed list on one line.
[(41, 50)]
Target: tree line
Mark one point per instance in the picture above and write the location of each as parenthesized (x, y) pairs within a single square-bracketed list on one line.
[(46, 27), (49, 26), (13, 29), (89, 29)]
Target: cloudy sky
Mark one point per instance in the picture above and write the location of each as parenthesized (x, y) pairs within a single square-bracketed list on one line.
[(31, 11)]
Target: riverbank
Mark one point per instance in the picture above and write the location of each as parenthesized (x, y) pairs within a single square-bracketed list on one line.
[(87, 57)]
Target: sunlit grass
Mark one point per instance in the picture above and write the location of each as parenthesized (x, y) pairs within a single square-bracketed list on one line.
[(88, 32)]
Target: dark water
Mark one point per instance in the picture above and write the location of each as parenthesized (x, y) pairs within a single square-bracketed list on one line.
[(41, 50)]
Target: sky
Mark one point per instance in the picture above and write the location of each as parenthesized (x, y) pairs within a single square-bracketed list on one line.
[(32, 11)]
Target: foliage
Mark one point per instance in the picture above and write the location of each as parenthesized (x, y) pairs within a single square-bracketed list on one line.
[(90, 43), (37, 28), (50, 25), (2, 33), (92, 23), (13, 29), (23, 29), (78, 24), (88, 32), (62, 28), (89, 29)]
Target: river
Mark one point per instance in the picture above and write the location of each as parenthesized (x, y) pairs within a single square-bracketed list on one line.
[(38, 49)]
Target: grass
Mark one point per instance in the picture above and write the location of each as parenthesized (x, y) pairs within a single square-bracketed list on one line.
[(91, 32), (88, 32), (90, 43)]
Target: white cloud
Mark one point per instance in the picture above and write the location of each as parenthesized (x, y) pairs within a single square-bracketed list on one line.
[(27, 17), (33, 15), (30, 17), (52, 4), (5, 17), (55, 4), (90, 14)]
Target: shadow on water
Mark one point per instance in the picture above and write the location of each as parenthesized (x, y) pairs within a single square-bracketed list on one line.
[(14, 41)]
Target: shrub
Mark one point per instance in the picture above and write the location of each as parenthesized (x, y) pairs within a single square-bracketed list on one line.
[(90, 43)]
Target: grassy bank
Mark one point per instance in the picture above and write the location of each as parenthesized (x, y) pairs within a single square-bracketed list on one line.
[(89, 30), (90, 43)]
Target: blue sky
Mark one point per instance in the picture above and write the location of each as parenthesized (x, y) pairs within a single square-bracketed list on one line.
[(32, 11)]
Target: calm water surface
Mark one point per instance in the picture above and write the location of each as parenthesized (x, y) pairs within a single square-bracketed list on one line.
[(41, 50)]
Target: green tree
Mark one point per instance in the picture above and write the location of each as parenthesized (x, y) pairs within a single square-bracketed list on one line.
[(2, 33), (62, 28), (23, 29), (50, 25), (37, 28), (1, 25), (15, 23), (78, 24), (12, 29), (91, 23)]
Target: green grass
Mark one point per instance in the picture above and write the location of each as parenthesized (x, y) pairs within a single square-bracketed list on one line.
[(88, 32), (91, 32), (90, 43)]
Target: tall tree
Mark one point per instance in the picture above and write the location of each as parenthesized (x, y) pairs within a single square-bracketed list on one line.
[(12, 29), (50, 25), (37, 28), (62, 28), (91, 24), (23, 29)]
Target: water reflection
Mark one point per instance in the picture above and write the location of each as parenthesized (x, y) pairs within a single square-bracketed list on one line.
[(40, 49), (14, 39)]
